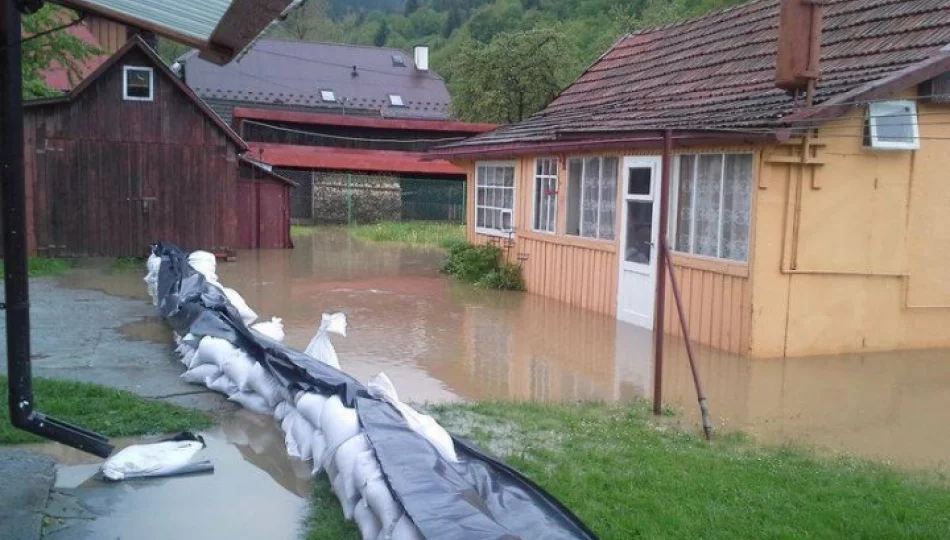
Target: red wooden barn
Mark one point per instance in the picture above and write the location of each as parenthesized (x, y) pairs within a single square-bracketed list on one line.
[(131, 156)]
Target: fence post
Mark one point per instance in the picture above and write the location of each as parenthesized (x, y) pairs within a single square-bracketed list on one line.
[(349, 199)]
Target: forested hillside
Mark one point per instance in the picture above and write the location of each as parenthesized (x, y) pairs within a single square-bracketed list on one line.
[(503, 59)]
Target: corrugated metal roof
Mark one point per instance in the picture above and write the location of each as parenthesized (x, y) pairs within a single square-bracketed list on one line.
[(196, 19), (349, 159), (717, 71), (284, 72)]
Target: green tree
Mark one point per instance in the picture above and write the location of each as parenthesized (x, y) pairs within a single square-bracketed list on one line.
[(59, 48), (382, 34), (511, 78), (411, 7), (453, 21)]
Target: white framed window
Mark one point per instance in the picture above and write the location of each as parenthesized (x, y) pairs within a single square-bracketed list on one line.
[(138, 83), (545, 195), (495, 197), (892, 125), (327, 95), (396, 100), (399, 60), (712, 205), (592, 197)]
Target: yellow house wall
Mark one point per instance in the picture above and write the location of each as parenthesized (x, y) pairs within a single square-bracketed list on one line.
[(868, 268)]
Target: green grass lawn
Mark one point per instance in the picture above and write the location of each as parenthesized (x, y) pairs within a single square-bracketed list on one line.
[(113, 413), (426, 233), (628, 476), (41, 267)]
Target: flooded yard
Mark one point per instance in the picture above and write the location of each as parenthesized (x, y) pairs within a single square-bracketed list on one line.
[(439, 340)]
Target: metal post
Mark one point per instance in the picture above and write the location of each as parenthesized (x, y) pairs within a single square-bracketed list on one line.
[(349, 199), (16, 284), (660, 311)]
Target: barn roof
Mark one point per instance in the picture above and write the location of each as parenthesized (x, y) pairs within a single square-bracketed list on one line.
[(717, 72), (294, 74), (264, 169), (136, 43), (349, 159)]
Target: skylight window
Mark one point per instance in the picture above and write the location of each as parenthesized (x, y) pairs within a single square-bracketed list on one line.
[(327, 95), (399, 60), (396, 100)]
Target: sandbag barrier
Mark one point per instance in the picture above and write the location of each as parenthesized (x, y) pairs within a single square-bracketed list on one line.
[(396, 472)]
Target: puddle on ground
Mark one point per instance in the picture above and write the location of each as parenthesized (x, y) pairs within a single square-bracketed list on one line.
[(98, 274), (439, 340), (151, 329), (256, 491)]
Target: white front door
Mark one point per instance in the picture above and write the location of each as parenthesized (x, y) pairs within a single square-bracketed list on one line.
[(638, 240)]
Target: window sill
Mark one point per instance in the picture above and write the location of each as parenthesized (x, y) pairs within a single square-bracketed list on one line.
[(609, 246), (495, 232), (709, 264)]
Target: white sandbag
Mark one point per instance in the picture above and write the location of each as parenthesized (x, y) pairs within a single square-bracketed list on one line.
[(222, 384), (405, 529), (265, 385), (367, 469), (348, 504), (318, 447), (205, 264), (200, 374), (320, 347), (157, 459), (189, 358), (252, 402), (247, 314), (381, 501), (213, 350), (310, 405), (152, 266), (287, 426), (281, 410), (238, 367), (366, 521), (338, 422), (345, 459), (303, 434), (272, 329), (382, 388)]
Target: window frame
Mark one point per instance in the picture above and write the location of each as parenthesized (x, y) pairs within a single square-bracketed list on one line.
[(393, 98), (125, 83), (618, 188), (557, 194), (514, 198), (332, 94), (874, 142), (673, 223)]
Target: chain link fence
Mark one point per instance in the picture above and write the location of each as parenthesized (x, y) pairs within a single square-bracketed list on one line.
[(332, 198)]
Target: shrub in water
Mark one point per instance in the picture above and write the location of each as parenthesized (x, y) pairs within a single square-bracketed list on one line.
[(482, 266)]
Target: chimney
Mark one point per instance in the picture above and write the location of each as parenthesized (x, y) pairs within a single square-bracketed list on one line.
[(422, 58), (797, 65)]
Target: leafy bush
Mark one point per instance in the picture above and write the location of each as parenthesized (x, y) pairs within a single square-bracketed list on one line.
[(483, 267)]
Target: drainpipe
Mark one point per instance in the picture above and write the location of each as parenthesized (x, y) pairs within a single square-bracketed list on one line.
[(16, 284), (659, 313)]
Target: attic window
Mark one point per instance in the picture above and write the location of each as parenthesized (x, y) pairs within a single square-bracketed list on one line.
[(327, 95), (396, 100), (399, 60), (137, 83), (892, 125)]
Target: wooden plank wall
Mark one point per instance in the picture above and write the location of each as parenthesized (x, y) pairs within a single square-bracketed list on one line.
[(577, 275), (718, 308)]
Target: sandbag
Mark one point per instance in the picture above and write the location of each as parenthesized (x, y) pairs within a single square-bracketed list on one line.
[(405, 529), (348, 503), (252, 402), (281, 410), (338, 422), (366, 521), (367, 469), (201, 374), (272, 329), (320, 347), (382, 388), (222, 384), (345, 459), (205, 264), (310, 405), (265, 385), (303, 434), (238, 368), (140, 460), (247, 314), (287, 426), (380, 499), (215, 351), (189, 358), (318, 448)]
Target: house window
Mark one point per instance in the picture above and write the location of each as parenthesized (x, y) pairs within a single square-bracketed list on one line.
[(399, 61), (713, 203), (892, 125), (545, 195), (495, 198), (396, 100), (592, 197), (137, 83), (327, 95)]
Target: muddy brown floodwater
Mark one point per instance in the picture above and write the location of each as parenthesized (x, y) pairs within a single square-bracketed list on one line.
[(440, 340)]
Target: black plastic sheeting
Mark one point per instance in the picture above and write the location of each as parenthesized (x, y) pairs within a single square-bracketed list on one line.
[(479, 498)]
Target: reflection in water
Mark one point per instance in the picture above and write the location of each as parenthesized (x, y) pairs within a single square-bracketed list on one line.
[(439, 340)]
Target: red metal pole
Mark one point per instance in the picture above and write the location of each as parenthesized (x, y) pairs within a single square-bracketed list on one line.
[(660, 311)]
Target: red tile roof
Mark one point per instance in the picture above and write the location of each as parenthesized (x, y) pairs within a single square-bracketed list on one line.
[(57, 77), (717, 71), (348, 159)]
